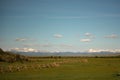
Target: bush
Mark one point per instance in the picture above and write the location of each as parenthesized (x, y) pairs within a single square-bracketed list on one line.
[(10, 57)]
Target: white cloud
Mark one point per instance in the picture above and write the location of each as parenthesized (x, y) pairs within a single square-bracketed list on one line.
[(89, 35), (24, 49), (104, 50), (58, 35), (63, 50), (85, 40), (93, 50), (112, 36), (20, 39)]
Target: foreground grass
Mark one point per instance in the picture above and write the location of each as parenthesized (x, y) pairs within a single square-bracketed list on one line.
[(94, 69)]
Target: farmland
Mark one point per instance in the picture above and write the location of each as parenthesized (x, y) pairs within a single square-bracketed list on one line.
[(62, 68)]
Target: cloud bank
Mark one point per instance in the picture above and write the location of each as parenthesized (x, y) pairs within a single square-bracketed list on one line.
[(58, 35), (20, 39), (85, 40), (24, 50), (89, 35), (104, 50), (112, 36)]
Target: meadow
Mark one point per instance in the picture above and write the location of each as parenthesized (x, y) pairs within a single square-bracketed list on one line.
[(62, 68)]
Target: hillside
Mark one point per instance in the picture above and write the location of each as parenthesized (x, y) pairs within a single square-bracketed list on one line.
[(10, 57)]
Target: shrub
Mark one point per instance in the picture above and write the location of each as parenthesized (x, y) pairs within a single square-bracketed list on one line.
[(11, 57)]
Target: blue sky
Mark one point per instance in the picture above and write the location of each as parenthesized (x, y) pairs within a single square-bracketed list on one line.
[(59, 25)]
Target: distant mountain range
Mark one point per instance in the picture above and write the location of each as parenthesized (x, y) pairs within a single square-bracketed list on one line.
[(68, 53)]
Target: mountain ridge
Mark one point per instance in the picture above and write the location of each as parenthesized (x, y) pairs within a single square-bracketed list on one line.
[(69, 54)]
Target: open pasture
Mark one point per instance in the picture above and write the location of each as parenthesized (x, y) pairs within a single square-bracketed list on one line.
[(62, 69)]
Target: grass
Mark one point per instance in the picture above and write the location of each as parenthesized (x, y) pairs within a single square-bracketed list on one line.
[(94, 69)]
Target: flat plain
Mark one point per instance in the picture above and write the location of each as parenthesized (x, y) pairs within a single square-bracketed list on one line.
[(62, 69)]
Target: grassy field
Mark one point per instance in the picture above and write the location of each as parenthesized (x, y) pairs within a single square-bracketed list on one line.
[(64, 69)]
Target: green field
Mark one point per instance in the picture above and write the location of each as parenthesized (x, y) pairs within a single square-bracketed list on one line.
[(68, 69)]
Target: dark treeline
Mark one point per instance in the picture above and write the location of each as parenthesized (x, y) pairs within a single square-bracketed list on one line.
[(58, 57)]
